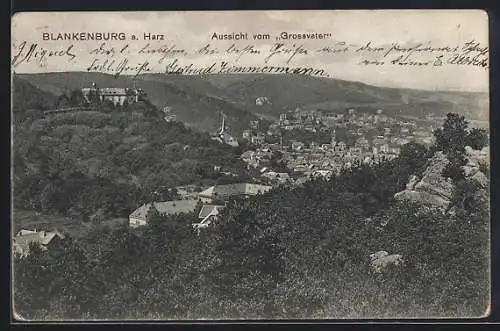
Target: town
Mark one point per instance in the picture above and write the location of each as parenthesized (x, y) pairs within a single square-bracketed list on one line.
[(298, 147), (310, 143)]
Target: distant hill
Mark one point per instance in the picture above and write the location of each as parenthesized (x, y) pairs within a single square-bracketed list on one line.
[(197, 100), (289, 92), (27, 96)]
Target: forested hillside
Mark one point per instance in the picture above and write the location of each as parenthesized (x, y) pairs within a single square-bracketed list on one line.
[(301, 253), (93, 164), (195, 106)]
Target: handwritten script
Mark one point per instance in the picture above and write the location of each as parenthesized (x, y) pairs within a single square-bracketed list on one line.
[(239, 54)]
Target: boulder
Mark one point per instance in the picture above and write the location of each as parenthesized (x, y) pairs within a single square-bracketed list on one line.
[(432, 189), (481, 179), (436, 191), (381, 260)]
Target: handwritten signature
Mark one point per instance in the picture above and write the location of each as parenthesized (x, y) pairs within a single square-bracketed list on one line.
[(33, 52)]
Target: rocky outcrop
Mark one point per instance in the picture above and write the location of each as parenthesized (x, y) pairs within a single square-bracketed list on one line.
[(381, 260), (432, 188), (475, 161)]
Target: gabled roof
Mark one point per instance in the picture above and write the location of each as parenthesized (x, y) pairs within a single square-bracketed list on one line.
[(234, 190), (25, 237), (208, 192), (166, 208), (207, 209)]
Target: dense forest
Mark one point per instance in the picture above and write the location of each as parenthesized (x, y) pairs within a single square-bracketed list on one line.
[(291, 253)]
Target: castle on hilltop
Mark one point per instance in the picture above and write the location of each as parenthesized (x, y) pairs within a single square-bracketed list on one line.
[(116, 95)]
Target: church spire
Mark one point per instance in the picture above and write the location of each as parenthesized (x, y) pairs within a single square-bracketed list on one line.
[(223, 125)]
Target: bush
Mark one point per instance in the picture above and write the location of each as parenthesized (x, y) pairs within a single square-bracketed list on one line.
[(477, 138)]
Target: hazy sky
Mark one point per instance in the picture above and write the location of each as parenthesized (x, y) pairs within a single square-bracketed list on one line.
[(192, 30)]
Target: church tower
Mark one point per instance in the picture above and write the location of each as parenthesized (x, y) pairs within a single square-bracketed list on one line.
[(222, 129), (334, 139)]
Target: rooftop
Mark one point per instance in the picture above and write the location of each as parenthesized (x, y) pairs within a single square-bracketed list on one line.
[(207, 209), (235, 190), (24, 237), (166, 208)]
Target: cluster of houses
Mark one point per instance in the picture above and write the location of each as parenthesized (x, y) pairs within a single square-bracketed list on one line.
[(209, 203), (23, 241), (313, 159)]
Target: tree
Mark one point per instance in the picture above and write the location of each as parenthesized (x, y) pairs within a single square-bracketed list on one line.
[(413, 157), (94, 98), (63, 102), (108, 106), (477, 138), (454, 169), (453, 135), (77, 99)]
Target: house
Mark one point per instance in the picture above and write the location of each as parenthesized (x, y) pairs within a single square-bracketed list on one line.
[(301, 168), (46, 239), (362, 143), (254, 124), (260, 101), (394, 149), (326, 174), (278, 176), (247, 134), (224, 192), (229, 140), (210, 210), (339, 147), (355, 150), (326, 147), (379, 140), (384, 148), (207, 215), (142, 215), (258, 139), (297, 145), (190, 192)]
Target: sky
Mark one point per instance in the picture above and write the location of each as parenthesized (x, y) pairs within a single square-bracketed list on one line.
[(192, 30)]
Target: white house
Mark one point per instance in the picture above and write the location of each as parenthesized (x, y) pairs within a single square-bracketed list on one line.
[(142, 215)]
